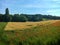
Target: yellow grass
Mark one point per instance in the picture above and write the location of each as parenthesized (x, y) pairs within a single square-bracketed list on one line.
[(24, 25)]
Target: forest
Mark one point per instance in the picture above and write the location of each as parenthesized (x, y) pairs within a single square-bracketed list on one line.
[(25, 17)]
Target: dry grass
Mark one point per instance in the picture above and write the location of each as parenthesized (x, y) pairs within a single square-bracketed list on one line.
[(24, 25), (56, 23), (45, 32)]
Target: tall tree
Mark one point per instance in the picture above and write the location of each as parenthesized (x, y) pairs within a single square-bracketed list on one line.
[(7, 11), (7, 16)]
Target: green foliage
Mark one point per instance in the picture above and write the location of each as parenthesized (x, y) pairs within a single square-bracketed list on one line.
[(36, 18), (19, 18), (25, 17), (7, 11), (7, 17), (44, 19), (15, 18), (39, 35)]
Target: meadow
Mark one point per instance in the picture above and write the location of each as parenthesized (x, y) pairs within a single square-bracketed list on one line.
[(30, 33), (25, 25)]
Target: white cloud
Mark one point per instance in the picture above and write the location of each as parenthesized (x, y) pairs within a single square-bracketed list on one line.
[(54, 12)]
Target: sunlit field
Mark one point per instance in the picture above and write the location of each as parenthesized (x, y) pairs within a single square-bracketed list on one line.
[(24, 25), (31, 33)]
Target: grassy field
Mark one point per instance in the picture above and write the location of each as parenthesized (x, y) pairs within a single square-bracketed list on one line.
[(2, 26), (24, 25), (31, 33)]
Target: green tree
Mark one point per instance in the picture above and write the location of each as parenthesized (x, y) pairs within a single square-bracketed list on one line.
[(23, 18), (19, 18), (16, 18), (1, 17), (7, 16), (7, 11)]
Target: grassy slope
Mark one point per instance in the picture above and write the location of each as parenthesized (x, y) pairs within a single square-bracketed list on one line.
[(41, 34)]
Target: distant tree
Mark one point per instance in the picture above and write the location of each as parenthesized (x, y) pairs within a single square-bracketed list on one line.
[(1, 17), (19, 18), (16, 18), (37, 18), (7, 16), (23, 18), (7, 11)]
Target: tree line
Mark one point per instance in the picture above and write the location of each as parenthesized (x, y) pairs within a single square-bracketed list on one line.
[(25, 17)]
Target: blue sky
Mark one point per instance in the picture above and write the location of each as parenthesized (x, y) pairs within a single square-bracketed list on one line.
[(51, 7)]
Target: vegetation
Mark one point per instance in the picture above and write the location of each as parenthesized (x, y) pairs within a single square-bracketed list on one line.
[(42, 34), (24, 25), (46, 34), (2, 26), (25, 17)]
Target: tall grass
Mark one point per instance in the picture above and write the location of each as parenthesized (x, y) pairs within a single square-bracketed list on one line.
[(2, 26), (38, 35)]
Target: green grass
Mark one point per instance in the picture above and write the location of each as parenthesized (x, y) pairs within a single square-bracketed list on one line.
[(2, 26), (39, 35)]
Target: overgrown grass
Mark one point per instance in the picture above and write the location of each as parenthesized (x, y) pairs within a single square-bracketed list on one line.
[(2, 26), (38, 35)]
